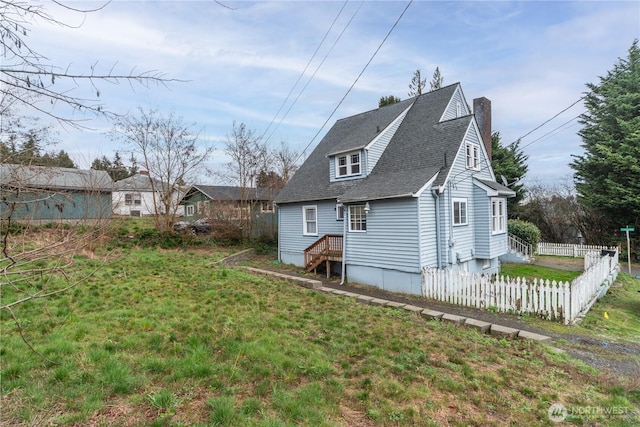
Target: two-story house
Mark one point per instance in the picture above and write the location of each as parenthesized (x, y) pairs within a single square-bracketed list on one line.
[(391, 191)]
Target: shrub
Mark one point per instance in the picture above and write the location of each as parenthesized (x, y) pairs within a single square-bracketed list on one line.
[(525, 231), (265, 244)]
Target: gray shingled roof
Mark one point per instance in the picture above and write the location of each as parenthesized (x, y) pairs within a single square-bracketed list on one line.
[(53, 178), (229, 193), (420, 149), (501, 189), (138, 182)]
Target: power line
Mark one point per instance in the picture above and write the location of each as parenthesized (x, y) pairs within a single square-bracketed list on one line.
[(356, 80), (547, 121), (316, 70), (305, 68)]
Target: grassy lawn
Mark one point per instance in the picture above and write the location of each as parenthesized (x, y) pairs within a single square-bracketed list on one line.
[(621, 322), (167, 338), (533, 271)]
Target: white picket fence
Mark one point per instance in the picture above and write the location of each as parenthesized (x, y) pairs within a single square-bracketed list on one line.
[(567, 249), (562, 301)]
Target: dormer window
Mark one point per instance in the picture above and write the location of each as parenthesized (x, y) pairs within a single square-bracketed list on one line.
[(348, 164)]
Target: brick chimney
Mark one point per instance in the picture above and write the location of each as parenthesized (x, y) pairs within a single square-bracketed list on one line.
[(482, 111)]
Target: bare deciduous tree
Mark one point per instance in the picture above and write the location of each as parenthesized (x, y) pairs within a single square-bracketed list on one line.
[(249, 156), (168, 149), (28, 80)]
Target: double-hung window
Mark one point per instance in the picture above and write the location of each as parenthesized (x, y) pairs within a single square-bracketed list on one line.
[(348, 164), (190, 210), (340, 212), (357, 218), (131, 199), (473, 156), (460, 212), (498, 217), (310, 220)]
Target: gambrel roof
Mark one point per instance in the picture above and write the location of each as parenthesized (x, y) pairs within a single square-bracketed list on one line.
[(422, 150)]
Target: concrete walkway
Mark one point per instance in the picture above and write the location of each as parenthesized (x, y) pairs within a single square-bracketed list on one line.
[(481, 326)]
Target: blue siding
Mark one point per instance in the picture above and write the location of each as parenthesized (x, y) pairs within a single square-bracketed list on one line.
[(452, 109), (392, 237), (291, 240), (482, 208), (460, 242), (428, 233)]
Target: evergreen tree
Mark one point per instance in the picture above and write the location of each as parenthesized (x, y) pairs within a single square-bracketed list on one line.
[(607, 175), (417, 84), (511, 163), (388, 100), (437, 80), (115, 168)]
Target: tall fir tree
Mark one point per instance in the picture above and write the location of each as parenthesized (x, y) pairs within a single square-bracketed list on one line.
[(417, 84), (607, 175), (437, 80), (511, 163), (388, 100)]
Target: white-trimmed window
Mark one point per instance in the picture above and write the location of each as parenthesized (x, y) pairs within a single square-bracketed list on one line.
[(190, 210), (310, 220), (266, 206), (132, 199), (473, 156), (340, 212), (498, 216), (348, 164), (459, 212), (357, 218)]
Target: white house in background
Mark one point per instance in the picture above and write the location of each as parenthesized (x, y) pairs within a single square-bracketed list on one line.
[(394, 190), (134, 196)]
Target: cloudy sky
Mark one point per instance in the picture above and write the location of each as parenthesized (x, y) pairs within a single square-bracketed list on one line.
[(254, 63)]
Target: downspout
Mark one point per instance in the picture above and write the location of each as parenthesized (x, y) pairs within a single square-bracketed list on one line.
[(436, 197), (276, 212), (344, 246), (450, 257)]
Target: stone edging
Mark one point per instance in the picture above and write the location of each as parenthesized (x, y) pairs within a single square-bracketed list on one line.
[(479, 325)]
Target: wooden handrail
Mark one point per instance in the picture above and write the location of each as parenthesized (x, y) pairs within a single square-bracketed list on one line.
[(327, 247)]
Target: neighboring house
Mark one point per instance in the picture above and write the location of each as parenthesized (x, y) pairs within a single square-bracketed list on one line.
[(42, 195), (233, 204), (139, 194), (391, 191)]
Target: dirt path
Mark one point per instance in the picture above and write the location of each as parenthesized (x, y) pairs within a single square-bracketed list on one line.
[(615, 358)]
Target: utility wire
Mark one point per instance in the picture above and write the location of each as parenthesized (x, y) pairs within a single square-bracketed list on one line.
[(305, 69), (316, 70), (356, 80)]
